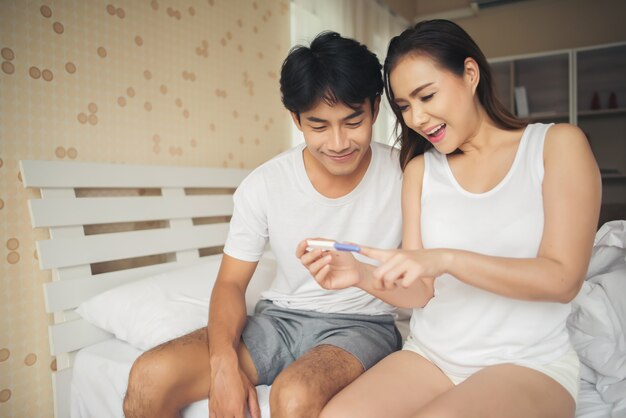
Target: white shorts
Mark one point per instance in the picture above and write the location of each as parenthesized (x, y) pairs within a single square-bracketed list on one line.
[(565, 369)]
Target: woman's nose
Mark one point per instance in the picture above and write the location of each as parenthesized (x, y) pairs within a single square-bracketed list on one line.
[(418, 119)]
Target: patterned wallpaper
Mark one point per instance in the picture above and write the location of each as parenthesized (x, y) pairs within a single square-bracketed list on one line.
[(175, 82)]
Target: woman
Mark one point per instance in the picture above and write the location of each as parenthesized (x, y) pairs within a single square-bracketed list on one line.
[(499, 220)]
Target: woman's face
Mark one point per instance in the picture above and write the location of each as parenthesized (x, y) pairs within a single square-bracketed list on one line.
[(436, 103)]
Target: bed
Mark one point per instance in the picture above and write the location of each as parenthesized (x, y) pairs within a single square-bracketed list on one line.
[(133, 251)]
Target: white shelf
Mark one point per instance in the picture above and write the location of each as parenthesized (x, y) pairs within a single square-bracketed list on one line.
[(602, 112), (613, 176), (549, 115)]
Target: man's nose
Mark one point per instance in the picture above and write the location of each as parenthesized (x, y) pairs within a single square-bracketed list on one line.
[(339, 140)]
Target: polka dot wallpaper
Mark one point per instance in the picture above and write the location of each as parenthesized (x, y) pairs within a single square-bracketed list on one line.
[(176, 82)]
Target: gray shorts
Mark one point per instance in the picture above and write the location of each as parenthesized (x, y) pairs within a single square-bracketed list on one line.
[(276, 336)]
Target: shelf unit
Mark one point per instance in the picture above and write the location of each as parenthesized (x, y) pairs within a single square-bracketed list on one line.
[(575, 86)]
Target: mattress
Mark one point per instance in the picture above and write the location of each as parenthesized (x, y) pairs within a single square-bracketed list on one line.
[(100, 377)]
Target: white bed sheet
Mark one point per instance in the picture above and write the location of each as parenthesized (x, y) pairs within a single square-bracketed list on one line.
[(590, 403), (100, 377)]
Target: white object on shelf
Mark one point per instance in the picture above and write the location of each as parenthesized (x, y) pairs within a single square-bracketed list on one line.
[(521, 102)]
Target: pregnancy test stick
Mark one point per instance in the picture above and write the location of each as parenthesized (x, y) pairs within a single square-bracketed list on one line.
[(330, 245)]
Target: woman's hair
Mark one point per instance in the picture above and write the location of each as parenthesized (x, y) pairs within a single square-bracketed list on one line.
[(449, 46)]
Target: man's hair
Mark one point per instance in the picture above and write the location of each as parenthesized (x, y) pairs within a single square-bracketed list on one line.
[(333, 69)]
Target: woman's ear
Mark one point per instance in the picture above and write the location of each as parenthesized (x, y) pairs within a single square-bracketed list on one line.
[(472, 73)]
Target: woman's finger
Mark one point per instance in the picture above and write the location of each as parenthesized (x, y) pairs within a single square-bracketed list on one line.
[(392, 262), (404, 272), (377, 253), (413, 271), (408, 280), (389, 280)]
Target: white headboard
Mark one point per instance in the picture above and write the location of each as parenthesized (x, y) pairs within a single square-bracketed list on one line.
[(176, 197)]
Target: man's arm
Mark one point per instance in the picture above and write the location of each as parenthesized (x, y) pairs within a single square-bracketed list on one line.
[(231, 387), (227, 312)]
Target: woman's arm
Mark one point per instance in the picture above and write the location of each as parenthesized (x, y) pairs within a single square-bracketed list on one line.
[(571, 195), (571, 199), (419, 292)]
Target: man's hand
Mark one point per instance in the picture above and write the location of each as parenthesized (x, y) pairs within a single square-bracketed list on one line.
[(231, 393), (333, 270)]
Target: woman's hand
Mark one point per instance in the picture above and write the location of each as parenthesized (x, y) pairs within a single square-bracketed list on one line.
[(404, 267), (333, 270)]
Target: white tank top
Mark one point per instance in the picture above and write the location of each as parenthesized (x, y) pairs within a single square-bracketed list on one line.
[(463, 328)]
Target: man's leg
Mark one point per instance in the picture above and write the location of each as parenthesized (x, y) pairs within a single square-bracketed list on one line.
[(174, 374), (307, 384)]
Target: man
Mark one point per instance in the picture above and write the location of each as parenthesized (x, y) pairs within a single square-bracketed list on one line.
[(308, 343)]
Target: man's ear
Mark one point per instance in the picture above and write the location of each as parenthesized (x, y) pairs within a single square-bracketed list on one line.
[(472, 74), (296, 120), (376, 108)]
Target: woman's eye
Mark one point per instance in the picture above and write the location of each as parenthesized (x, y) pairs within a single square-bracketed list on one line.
[(427, 98), (402, 108)]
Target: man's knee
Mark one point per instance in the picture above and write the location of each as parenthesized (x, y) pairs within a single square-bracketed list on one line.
[(293, 397), (147, 383), (304, 388)]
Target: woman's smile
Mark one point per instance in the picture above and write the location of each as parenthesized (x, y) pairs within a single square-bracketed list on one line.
[(436, 134)]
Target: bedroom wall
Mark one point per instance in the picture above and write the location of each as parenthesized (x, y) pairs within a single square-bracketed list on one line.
[(175, 82), (536, 26)]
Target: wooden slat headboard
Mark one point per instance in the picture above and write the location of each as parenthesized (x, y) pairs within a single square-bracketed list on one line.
[(173, 236)]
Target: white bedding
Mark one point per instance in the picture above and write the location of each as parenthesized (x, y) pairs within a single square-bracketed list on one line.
[(598, 320), (99, 382), (596, 327), (101, 374)]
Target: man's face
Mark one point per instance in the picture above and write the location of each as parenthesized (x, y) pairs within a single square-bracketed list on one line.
[(337, 137)]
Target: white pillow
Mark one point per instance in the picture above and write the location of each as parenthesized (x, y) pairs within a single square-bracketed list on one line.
[(150, 311)]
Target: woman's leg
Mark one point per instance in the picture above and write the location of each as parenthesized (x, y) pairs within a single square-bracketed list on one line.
[(505, 390), (396, 387)]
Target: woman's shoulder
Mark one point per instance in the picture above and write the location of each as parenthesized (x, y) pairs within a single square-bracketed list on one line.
[(565, 132), (416, 163), (568, 144), (415, 168), (562, 136)]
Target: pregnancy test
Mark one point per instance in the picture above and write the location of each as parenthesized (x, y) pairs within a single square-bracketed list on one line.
[(313, 244)]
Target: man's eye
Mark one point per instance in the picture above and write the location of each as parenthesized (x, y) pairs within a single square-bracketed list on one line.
[(318, 128), (355, 124)]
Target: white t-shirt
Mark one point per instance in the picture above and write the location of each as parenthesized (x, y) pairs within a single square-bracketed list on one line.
[(463, 328), (278, 204)]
